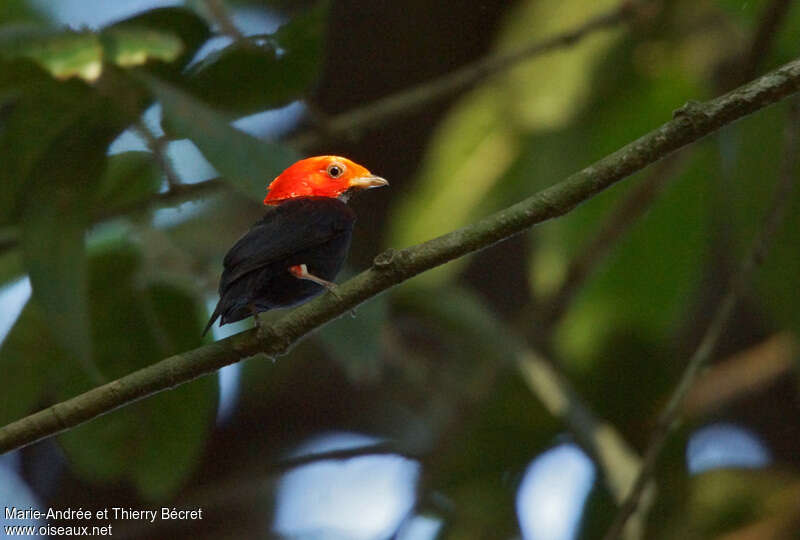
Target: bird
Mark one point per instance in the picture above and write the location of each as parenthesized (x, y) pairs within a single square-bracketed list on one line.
[(296, 250)]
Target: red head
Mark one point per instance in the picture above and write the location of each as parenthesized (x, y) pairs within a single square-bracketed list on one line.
[(321, 176)]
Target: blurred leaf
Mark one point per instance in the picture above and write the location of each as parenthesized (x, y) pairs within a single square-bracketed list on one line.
[(67, 54), (129, 178), (646, 284), (64, 54), (548, 92), (355, 341), (154, 443), (510, 424), (25, 373), (53, 226), (753, 150), (726, 500), (786, 39), (647, 280), (42, 109), (462, 313), (18, 11), (480, 139), (171, 21), (128, 47), (55, 213), (471, 150), (10, 265), (248, 163), (268, 72)]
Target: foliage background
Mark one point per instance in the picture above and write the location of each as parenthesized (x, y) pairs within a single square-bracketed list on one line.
[(430, 368)]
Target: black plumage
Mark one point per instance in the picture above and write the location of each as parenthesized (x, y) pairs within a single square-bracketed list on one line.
[(314, 231)]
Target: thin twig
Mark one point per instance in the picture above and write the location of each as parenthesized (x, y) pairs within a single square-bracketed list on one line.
[(218, 11), (670, 417), (744, 373), (175, 195), (774, 15), (158, 147)]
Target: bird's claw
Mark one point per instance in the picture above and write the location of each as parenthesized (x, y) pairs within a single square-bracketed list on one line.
[(259, 328), (332, 289)]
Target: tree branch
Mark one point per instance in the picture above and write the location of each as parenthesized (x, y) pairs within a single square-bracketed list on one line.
[(670, 417), (690, 123)]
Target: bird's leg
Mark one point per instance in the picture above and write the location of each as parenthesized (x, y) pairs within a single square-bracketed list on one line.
[(256, 321), (300, 271)]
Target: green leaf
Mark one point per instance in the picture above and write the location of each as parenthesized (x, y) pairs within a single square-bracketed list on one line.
[(41, 109), (129, 177), (156, 443), (10, 263), (646, 284), (172, 21), (128, 47), (18, 11), (53, 226), (70, 54), (754, 176), (63, 54), (64, 171), (268, 72), (248, 163), (482, 137), (25, 356), (168, 35), (355, 341), (647, 280)]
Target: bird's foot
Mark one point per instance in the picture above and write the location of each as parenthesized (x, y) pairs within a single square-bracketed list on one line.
[(257, 324), (300, 271), (332, 289)]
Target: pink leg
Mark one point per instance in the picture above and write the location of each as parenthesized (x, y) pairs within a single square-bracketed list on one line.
[(300, 271)]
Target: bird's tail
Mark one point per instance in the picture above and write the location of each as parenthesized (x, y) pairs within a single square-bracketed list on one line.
[(214, 316)]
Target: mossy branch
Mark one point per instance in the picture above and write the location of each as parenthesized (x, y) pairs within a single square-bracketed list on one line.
[(690, 123)]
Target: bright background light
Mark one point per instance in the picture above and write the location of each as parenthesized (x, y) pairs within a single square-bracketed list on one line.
[(360, 498), (725, 445), (553, 492)]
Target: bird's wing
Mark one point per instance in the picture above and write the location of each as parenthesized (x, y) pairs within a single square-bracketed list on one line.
[(289, 228)]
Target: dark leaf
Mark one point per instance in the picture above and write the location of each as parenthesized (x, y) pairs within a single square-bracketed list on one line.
[(64, 54), (130, 177), (267, 72), (18, 11), (153, 444), (40, 110), (181, 22), (25, 355), (355, 341), (53, 227), (245, 161)]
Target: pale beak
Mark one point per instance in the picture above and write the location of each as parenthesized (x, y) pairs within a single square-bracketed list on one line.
[(367, 182)]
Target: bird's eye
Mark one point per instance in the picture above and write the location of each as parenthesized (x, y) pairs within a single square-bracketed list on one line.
[(335, 170)]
